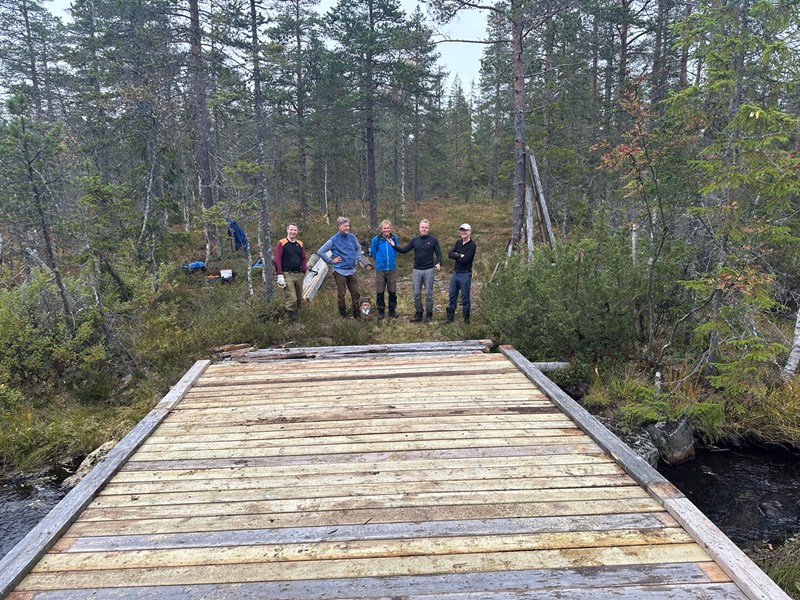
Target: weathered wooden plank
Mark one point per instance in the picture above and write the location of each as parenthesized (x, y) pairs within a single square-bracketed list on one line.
[(364, 483), (236, 477), (252, 502), (411, 347), (338, 415), (407, 431), (265, 440), (477, 383), (466, 391), (355, 488), (36, 543), (468, 357), (409, 408), (259, 449), (718, 591), (421, 587), (373, 567), (348, 376), (362, 364), (277, 460), (355, 549), (546, 463), (401, 423), (371, 531), (151, 525), (299, 498), (314, 277)]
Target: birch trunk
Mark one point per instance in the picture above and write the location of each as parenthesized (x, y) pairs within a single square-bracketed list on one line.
[(790, 369)]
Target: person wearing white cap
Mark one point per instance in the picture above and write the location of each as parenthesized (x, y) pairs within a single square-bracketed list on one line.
[(463, 253)]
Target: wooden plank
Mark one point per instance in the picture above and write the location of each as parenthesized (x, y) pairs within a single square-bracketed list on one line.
[(463, 351), (753, 582), (338, 415), (368, 457), (252, 502), (151, 525), (511, 583), (300, 498), (259, 449), (364, 483), (241, 554), (348, 375), (373, 567), (371, 531), (304, 465), (357, 361), (459, 421), (410, 347), (272, 439), (323, 434), (236, 477), (34, 545), (314, 277), (356, 488)]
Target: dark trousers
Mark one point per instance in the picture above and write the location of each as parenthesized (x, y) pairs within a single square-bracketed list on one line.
[(344, 283), (386, 281), (460, 282)]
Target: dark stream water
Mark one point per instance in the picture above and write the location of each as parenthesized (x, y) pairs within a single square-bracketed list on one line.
[(752, 495), (22, 506)]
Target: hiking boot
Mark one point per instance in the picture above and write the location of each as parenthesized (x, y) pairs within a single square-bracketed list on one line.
[(293, 316), (429, 318), (417, 318), (381, 314), (466, 317), (392, 314), (450, 316)]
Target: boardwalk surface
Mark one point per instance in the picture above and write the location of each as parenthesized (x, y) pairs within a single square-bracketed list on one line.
[(415, 476)]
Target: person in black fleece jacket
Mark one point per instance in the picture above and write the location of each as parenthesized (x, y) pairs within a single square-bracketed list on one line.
[(461, 280), (427, 260)]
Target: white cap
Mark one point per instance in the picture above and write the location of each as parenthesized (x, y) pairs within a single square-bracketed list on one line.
[(466, 227)]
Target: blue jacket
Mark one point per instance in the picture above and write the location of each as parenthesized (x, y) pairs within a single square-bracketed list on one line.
[(344, 245), (383, 253)]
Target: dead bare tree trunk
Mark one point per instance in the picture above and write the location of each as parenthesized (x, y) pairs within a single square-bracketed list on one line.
[(201, 121), (266, 233), (518, 68)]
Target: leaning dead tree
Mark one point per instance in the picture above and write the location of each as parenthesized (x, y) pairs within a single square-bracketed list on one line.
[(535, 210)]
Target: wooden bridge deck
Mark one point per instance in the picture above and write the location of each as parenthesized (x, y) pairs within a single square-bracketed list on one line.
[(444, 473)]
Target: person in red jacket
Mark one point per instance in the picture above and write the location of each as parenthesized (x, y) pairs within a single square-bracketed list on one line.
[(290, 265)]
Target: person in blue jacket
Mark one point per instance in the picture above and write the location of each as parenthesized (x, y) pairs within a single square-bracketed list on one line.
[(383, 251), (345, 254)]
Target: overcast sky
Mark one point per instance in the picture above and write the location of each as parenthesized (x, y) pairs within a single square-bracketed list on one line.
[(458, 58)]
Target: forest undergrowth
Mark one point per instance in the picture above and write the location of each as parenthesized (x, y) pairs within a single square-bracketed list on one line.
[(64, 393)]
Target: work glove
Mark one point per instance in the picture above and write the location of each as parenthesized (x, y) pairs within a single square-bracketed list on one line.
[(281, 281)]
